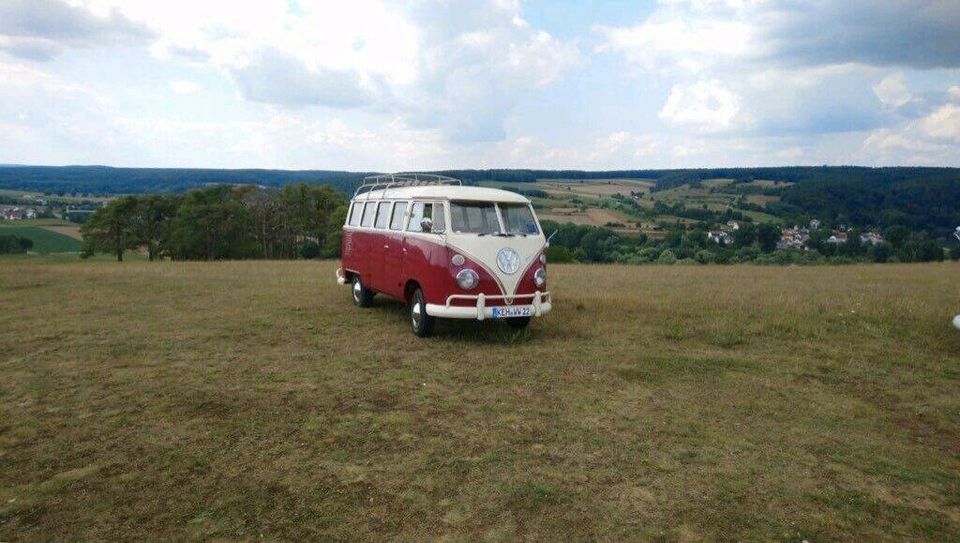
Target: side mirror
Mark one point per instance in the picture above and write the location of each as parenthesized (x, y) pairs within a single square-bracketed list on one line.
[(551, 237), (426, 224)]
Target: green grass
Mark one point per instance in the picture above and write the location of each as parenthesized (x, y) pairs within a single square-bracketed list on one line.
[(38, 222), (249, 400), (44, 241)]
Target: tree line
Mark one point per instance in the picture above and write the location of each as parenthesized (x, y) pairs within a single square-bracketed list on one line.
[(13, 244), (751, 243), (221, 222)]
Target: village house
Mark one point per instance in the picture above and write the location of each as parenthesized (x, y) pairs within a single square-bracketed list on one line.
[(838, 236), (11, 213), (793, 238), (815, 224), (733, 225), (720, 237), (873, 238)]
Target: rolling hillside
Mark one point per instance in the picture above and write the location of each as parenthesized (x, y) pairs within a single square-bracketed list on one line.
[(922, 199)]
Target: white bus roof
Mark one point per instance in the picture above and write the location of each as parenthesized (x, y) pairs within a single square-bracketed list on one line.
[(445, 192)]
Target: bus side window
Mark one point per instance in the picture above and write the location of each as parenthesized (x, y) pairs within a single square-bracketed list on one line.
[(398, 210), (438, 219), (421, 211), (355, 211), (383, 214), (368, 212), (416, 215)]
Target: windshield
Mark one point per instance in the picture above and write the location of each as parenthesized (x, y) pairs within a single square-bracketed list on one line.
[(518, 219), (474, 218), (484, 218)]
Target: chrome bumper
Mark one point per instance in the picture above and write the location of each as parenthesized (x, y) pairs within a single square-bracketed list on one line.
[(341, 278), (541, 302)]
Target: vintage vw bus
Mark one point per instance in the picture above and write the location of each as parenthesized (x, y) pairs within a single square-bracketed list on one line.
[(447, 250)]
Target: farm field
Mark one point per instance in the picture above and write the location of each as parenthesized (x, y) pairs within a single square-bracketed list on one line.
[(251, 400), (69, 231), (567, 194), (588, 189), (52, 238)]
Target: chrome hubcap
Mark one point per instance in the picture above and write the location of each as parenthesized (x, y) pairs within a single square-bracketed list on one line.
[(415, 315), (356, 290)]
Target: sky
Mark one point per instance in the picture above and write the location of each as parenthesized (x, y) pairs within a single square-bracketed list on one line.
[(367, 85)]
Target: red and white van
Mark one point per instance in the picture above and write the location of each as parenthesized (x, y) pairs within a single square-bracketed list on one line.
[(448, 250)]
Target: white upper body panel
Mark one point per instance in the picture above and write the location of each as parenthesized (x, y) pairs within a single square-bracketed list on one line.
[(444, 192)]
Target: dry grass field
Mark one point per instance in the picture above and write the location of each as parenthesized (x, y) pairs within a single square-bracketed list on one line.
[(252, 401)]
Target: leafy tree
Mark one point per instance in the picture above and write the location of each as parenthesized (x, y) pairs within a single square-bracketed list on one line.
[(111, 229), (896, 235), (667, 257), (745, 236), (705, 257), (11, 244), (767, 236), (309, 250), (880, 252), (558, 254), (151, 221)]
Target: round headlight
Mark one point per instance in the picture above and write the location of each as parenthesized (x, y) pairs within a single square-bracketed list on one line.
[(540, 276), (467, 279)]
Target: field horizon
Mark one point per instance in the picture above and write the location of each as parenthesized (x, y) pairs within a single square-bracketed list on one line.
[(251, 400)]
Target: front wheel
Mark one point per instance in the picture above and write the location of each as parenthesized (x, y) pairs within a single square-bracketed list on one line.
[(518, 323), (421, 322), (362, 296)]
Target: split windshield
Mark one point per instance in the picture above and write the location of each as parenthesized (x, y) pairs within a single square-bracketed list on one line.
[(482, 218)]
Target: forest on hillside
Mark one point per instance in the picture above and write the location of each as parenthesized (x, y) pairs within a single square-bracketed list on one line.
[(924, 199), (221, 222), (924, 202)]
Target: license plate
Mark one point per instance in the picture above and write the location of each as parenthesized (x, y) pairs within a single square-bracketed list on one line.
[(512, 311)]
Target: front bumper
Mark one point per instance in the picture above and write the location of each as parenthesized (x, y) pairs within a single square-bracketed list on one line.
[(341, 277), (541, 302)]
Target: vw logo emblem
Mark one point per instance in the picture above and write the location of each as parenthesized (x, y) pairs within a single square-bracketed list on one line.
[(508, 261)]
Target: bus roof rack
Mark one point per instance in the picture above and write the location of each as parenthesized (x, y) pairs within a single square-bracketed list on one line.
[(407, 179)]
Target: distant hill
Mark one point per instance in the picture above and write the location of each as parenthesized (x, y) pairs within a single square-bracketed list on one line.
[(108, 180), (926, 199)]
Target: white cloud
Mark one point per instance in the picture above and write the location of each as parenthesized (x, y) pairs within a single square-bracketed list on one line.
[(892, 90), (942, 124), (623, 150), (786, 68), (705, 105), (672, 43), (45, 116), (183, 86), (457, 66), (933, 139)]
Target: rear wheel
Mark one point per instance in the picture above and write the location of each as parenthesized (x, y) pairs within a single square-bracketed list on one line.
[(518, 323), (421, 322), (362, 296)]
